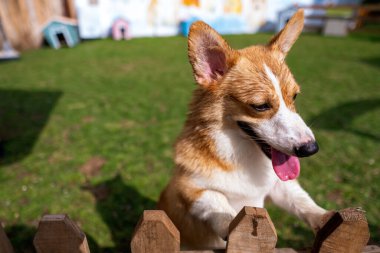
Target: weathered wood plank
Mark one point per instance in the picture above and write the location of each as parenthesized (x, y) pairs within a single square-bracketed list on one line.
[(5, 244), (367, 249), (252, 231), (346, 232), (371, 249), (155, 233), (204, 251), (58, 234)]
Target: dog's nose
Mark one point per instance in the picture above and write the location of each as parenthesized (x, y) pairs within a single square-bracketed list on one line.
[(307, 149)]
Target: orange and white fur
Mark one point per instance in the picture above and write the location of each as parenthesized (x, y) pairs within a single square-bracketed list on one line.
[(242, 138)]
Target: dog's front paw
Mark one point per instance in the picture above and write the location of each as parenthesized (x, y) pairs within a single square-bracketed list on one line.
[(325, 218), (317, 221), (220, 224)]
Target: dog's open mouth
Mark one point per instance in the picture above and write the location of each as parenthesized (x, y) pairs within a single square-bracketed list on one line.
[(285, 166)]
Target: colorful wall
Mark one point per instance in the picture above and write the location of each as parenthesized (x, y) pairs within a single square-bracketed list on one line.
[(163, 17)]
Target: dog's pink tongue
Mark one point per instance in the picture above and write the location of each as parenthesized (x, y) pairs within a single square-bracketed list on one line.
[(286, 167)]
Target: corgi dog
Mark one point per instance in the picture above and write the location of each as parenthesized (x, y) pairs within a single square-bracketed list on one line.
[(241, 140)]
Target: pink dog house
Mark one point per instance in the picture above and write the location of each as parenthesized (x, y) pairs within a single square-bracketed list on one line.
[(120, 29)]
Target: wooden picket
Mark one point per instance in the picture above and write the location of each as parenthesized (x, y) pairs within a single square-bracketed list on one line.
[(155, 233), (251, 231), (58, 234), (5, 245)]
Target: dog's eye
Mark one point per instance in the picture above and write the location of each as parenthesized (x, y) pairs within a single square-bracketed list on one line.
[(261, 108), (295, 96)]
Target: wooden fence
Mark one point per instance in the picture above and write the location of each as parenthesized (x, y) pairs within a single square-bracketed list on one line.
[(251, 231)]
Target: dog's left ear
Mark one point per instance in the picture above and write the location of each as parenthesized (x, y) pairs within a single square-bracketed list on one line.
[(285, 39), (209, 54)]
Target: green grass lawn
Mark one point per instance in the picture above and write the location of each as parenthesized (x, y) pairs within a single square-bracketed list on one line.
[(125, 102)]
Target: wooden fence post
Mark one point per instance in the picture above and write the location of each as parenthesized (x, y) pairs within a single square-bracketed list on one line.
[(5, 244), (155, 233), (58, 234), (346, 232), (252, 231)]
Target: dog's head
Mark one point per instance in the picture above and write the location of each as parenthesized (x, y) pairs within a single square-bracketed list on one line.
[(258, 91)]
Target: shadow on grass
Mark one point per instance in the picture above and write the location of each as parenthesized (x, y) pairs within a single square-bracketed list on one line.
[(374, 235), (374, 61), (23, 115), (305, 239), (120, 207), (21, 237), (367, 35), (341, 117)]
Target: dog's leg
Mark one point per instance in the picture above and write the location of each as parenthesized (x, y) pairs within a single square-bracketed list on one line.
[(213, 208), (290, 196)]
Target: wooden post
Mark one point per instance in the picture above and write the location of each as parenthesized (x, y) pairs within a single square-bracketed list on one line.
[(155, 233), (5, 244), (58, 234), (346, 231), (70, 8), (252, 231)]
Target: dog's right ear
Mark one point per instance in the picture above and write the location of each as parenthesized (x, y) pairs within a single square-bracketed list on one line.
[(209, 54)]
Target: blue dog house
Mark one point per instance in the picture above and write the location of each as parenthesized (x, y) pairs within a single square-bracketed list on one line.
[(184, 26), (223, 25), (61, 31)]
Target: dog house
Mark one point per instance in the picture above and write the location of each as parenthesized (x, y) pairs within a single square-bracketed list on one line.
[(120, 29), (60, 32)]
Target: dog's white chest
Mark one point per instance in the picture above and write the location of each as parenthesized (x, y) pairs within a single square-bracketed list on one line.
[(252, 179), (243, 187)]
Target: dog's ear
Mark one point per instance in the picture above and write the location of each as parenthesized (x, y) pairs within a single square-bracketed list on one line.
[(285, 39), (209, 54)]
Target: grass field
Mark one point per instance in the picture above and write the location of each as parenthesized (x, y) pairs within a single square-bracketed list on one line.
[(125, 102)]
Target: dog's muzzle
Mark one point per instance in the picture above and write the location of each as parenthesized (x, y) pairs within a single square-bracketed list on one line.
[(252, 134)]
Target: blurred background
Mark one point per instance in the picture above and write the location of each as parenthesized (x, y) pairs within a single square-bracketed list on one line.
[(94, 92)]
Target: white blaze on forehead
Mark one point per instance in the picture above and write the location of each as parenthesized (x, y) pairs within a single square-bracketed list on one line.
[(285, 130), (275, 82)]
